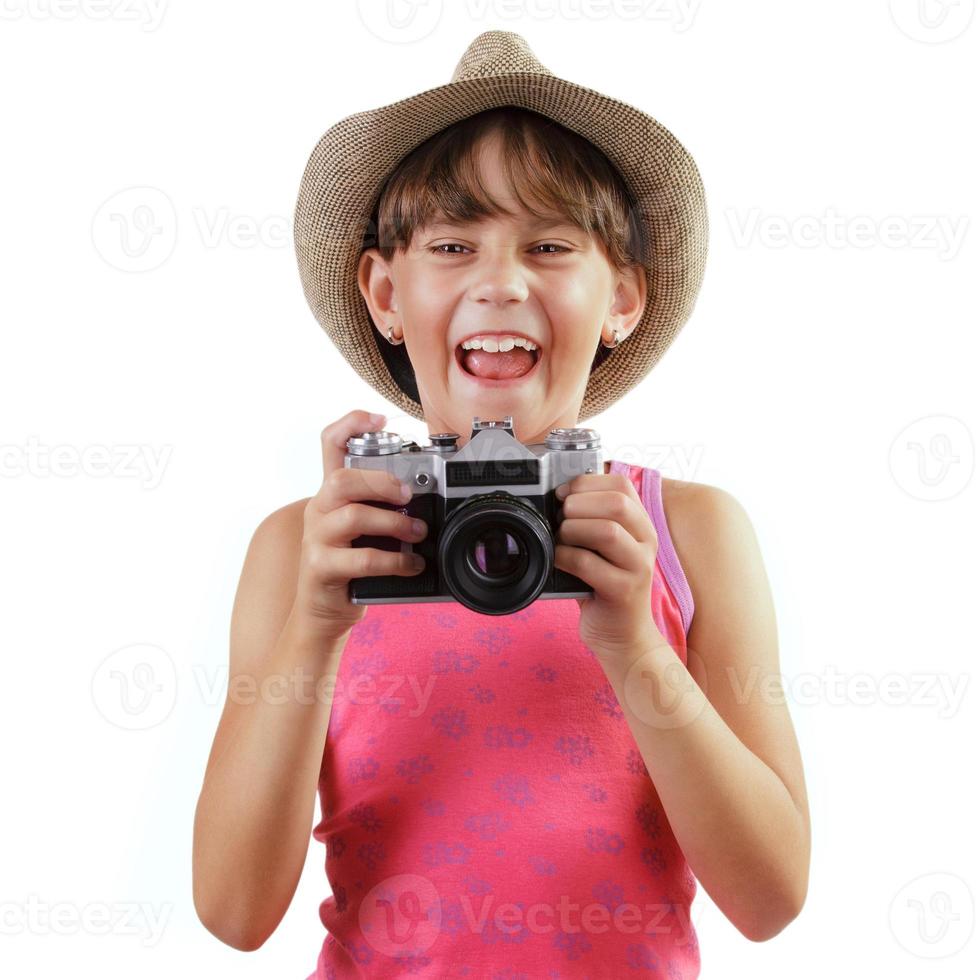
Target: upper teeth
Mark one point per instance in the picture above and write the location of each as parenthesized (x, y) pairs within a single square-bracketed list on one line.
[(494, 344)]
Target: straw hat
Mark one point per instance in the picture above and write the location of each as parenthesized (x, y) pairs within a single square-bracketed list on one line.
[(351, 162)]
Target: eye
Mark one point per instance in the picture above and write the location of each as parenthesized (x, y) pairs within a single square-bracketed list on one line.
[(438, 249)]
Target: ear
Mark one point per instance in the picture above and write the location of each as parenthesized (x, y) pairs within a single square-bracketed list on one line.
[(375, 281), (628, 302)]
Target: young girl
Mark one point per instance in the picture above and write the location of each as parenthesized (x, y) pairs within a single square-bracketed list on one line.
[(529, 795)]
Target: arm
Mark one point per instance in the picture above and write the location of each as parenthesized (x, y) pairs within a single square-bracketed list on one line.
[(253, 818), (718, 742), (290, 623)]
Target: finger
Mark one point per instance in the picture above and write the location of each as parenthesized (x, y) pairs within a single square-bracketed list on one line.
[(333, 439), (351, 484), (607, 538), (342, 484), (611, 505), (603, 481), (343, 524), (592, 569), (348, 563)]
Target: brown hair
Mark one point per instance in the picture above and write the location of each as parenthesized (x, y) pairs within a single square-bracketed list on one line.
[(550, 170)]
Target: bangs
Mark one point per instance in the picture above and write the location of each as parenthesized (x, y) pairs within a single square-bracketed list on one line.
[(553, 173)]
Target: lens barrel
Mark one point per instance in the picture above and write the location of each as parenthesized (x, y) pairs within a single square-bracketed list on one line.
[(496, 553)]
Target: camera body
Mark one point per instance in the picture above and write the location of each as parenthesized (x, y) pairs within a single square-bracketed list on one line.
[(491, 512)]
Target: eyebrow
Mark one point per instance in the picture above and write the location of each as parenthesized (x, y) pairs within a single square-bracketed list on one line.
[(555, 221)]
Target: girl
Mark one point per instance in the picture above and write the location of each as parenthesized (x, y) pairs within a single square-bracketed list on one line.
[(530, 795)]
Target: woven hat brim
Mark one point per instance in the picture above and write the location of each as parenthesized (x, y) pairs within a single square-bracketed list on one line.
[(350, 163)]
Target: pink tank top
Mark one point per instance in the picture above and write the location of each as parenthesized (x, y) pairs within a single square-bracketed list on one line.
[(485, 810)]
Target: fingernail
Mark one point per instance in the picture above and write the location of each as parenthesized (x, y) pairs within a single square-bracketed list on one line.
[(418, 527), (406, 491), (376, 419), (418, 562), (562, 492)]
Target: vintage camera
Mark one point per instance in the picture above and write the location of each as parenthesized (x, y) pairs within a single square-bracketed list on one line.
[(491, 512)]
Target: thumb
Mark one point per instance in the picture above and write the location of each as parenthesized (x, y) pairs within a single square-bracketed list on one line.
[(333, 439)]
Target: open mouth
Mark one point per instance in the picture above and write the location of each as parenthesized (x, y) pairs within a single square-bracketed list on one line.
[(494, 372)]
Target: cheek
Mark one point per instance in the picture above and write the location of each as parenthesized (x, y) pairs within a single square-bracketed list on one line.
[(577, 304), (427, 315), (577, 331)]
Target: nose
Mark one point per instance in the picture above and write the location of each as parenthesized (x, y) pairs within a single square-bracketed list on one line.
[(498, 277)]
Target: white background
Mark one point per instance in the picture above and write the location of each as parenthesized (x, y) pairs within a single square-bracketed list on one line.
[(827, 379)]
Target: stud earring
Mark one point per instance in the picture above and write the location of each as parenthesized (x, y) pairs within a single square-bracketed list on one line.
[(615, 342), (391, 340)]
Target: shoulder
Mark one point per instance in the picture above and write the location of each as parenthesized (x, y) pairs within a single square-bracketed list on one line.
[(282, 529), (271, 562), (706, 524), (267, 585), (710, 530), (686, 502), (696, 514)]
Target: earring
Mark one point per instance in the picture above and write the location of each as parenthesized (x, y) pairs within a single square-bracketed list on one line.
[(391, 339), (615, 342)]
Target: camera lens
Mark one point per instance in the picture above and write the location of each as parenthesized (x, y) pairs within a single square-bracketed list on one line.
[(496, 553)]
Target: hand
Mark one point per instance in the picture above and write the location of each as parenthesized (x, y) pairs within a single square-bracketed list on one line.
[(607, 539), (333, 518)]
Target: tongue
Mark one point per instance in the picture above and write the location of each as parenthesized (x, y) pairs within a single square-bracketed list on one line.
[(504, 364)]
